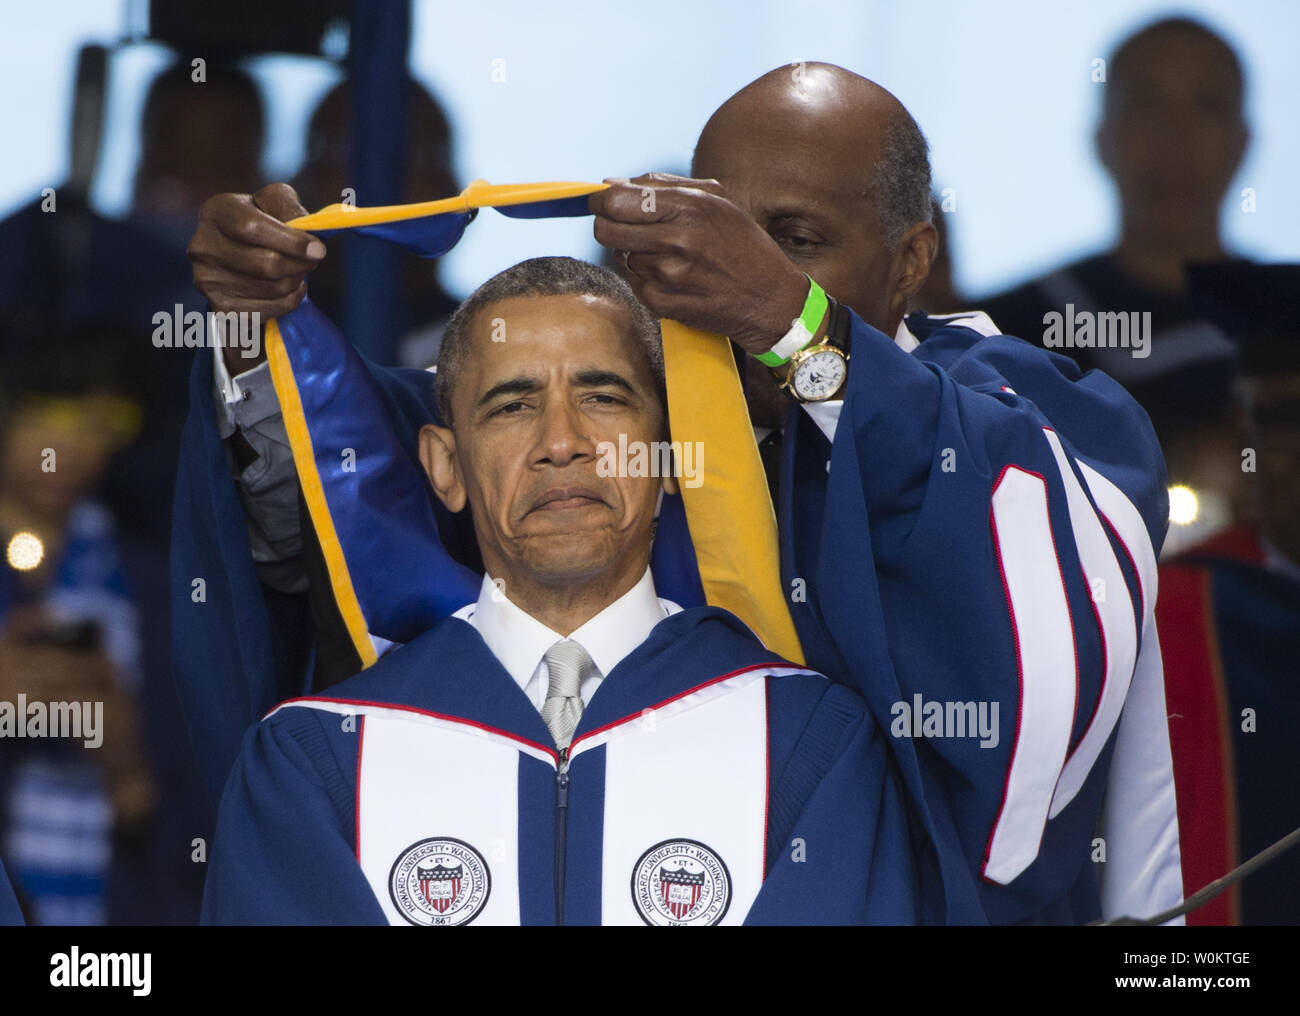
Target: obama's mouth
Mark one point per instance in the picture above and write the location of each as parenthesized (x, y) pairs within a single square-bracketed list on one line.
[(570, 498)]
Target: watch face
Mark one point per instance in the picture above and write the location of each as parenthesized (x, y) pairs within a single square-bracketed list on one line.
[(819, 376)]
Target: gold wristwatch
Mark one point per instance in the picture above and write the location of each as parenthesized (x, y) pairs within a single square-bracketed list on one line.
[(819, 372)]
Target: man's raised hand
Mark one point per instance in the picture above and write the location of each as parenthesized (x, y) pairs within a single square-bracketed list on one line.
[(246, 260), (697, 257)]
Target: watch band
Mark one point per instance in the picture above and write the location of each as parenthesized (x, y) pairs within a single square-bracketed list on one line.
[(802, 328), (837, 328), (837, 337)]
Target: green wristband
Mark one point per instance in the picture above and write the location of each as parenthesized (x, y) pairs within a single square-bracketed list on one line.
[(802, 328)]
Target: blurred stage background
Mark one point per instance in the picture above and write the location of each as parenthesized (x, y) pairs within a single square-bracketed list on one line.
[(1002, 90)]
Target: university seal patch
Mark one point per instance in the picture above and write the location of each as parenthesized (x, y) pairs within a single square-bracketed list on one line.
[(439, 881), (680, 883)]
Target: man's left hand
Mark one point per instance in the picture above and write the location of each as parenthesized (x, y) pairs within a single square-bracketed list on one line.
[(697, 257)]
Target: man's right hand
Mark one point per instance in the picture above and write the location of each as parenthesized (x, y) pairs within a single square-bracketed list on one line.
[(245, 259)]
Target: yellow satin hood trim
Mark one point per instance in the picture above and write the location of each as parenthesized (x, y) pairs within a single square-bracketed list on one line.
[(730, 514), (313, 491), (479, 194)]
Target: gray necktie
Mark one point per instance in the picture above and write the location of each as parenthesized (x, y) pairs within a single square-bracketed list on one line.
[(567, 664)]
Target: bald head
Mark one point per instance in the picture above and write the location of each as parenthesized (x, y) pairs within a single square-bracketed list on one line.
[(817, 94), (876, 145), (836, 170)]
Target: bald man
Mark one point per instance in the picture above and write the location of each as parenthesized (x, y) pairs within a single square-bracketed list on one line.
[(972, 523)]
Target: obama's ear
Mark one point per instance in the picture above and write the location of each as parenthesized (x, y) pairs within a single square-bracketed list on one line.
[(438, 456)]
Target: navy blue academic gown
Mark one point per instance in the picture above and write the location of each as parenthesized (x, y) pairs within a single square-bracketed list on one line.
[(9, 912), (708, 782), (983, 533)]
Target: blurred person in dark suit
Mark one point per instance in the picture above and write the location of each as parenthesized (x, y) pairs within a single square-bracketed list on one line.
[(324, 180), (1172, 136), (80, 266)]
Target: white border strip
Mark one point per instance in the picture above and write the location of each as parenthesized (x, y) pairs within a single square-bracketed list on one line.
[(1118, 630), (1040, 616)]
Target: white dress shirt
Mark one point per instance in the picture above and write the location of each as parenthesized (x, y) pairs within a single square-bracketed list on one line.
[(519, 641)]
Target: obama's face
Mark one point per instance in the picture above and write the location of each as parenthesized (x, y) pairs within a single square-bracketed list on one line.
[(531, 414)]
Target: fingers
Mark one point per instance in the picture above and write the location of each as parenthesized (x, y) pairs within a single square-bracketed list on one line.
[(237, 219), (668, 272), (652, 197), (246, 259), (279, 200), (645, 237), (623, 201), (226, 295), (709, 186)]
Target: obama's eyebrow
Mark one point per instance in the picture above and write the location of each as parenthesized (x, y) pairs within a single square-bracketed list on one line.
[(522, 385), (593, 377)]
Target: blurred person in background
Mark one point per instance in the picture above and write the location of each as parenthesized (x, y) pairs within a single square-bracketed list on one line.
[(325, 179), (79, 266), (1229, 615), (194, 135), (191, 134), (69, 632), (1172, 136)]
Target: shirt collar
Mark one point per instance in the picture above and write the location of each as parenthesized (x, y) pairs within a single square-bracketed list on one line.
[(904, 339), (519, 641)]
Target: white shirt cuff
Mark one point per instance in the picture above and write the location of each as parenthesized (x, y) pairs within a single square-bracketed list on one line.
[(826, 415), (245, 399)]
